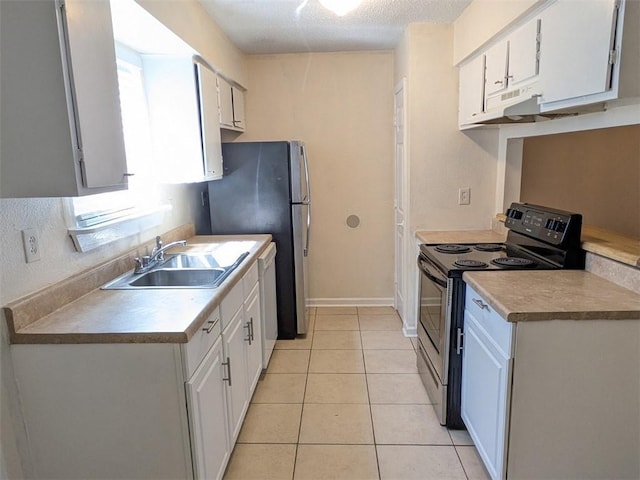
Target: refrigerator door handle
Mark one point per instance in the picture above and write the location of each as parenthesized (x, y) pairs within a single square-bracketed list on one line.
[(303, 148), (306, 247)]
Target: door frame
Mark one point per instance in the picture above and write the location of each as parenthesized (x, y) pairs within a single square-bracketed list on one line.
[(401, 297)]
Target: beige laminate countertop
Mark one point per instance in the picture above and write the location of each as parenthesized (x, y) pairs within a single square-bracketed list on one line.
[(130, 316), (460, 236), (554, 295)]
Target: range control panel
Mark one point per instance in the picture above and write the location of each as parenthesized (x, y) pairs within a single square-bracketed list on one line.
[(556, 227)]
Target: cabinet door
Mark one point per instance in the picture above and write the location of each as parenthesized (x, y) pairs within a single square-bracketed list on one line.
[(172, 100), (254, 338), (496, 69), (471, 90), (91, 59), (233, 338), (575, 44), (60, 117), (238, 108), (226, 103), (209, 123), (208, 415), (523, 53), (485, 393)]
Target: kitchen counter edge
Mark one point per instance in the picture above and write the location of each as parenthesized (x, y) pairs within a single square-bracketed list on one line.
[(554, 295)]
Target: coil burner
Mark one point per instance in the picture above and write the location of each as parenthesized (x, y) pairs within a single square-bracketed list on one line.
[(488, 247), (452, 248), (513, 262), (470, 264)]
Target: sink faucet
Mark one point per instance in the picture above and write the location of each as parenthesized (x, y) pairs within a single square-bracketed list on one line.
[(147, 262)]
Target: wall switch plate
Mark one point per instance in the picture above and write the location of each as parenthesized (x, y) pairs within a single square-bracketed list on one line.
[(31, 245), (464, 195)]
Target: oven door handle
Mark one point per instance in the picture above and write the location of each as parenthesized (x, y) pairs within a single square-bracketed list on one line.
[(424, 268)]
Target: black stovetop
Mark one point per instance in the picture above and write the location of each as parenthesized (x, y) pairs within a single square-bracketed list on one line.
[(539, 238), (470, 257)]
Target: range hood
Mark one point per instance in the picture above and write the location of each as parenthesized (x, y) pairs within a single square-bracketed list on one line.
[(521, 105)]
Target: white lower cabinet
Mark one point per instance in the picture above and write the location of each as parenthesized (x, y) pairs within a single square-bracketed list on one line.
[(550, 399), (233, 339), (208, 415), (143, 410), (254, 343), (240, 312), (486, 370)]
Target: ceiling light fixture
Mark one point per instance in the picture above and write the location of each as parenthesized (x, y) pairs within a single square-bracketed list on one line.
[(340, 7)]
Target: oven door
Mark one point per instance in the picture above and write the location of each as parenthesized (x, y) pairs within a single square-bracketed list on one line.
[(434, 315)]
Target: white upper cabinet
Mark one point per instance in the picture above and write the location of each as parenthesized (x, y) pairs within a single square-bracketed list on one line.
[(496, 63), (561, 57), (231, 100), (61, 123), (471, 90), (524, 45), (209, 124), (226, 103), (511, 64), (238, 108), (183, 112), (576, 58)]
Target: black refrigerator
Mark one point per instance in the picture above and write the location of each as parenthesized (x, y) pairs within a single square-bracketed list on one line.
[(265, 189)]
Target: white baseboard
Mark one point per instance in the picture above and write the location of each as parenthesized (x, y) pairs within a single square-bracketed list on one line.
[(349, 302), (409, 331)]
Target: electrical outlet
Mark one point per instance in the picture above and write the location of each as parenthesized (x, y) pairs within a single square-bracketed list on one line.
[(31, 245), (464, 195)]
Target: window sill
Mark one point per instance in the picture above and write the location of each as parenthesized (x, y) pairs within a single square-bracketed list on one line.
[(89, 238)]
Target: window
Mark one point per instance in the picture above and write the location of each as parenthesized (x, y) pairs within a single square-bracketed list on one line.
[(100, 219)]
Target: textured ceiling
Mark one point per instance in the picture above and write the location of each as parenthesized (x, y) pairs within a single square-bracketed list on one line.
[(287, 26)]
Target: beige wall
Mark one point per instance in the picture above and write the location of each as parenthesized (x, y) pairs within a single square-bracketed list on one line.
[(341, 106), (481, 20), (596, 173), (189, 20), (442, 159)]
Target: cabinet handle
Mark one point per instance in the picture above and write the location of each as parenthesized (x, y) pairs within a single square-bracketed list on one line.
[(498, 82), (251, 330), (459, 341), (212, 324), (228, 365), (480, 303), (248, 327)]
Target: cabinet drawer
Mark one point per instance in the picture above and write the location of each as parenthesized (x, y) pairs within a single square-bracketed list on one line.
[(202, 341), (250, 279), (496, 327), (231, 303)]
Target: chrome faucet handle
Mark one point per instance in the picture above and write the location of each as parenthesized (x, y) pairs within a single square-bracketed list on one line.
[(142, 263)]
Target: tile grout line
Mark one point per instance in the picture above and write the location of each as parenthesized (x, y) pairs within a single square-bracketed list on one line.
[(304, 394), (375, 444), (366, 380)]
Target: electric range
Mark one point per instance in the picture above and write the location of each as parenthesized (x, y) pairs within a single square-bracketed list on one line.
[(539, 238)]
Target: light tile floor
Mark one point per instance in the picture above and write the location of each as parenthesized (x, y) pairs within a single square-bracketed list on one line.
[(346, 402)]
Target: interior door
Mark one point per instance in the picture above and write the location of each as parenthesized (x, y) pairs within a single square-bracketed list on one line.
[(400, 199)]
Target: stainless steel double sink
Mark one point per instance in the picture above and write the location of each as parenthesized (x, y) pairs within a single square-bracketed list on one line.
[(182, 270)]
